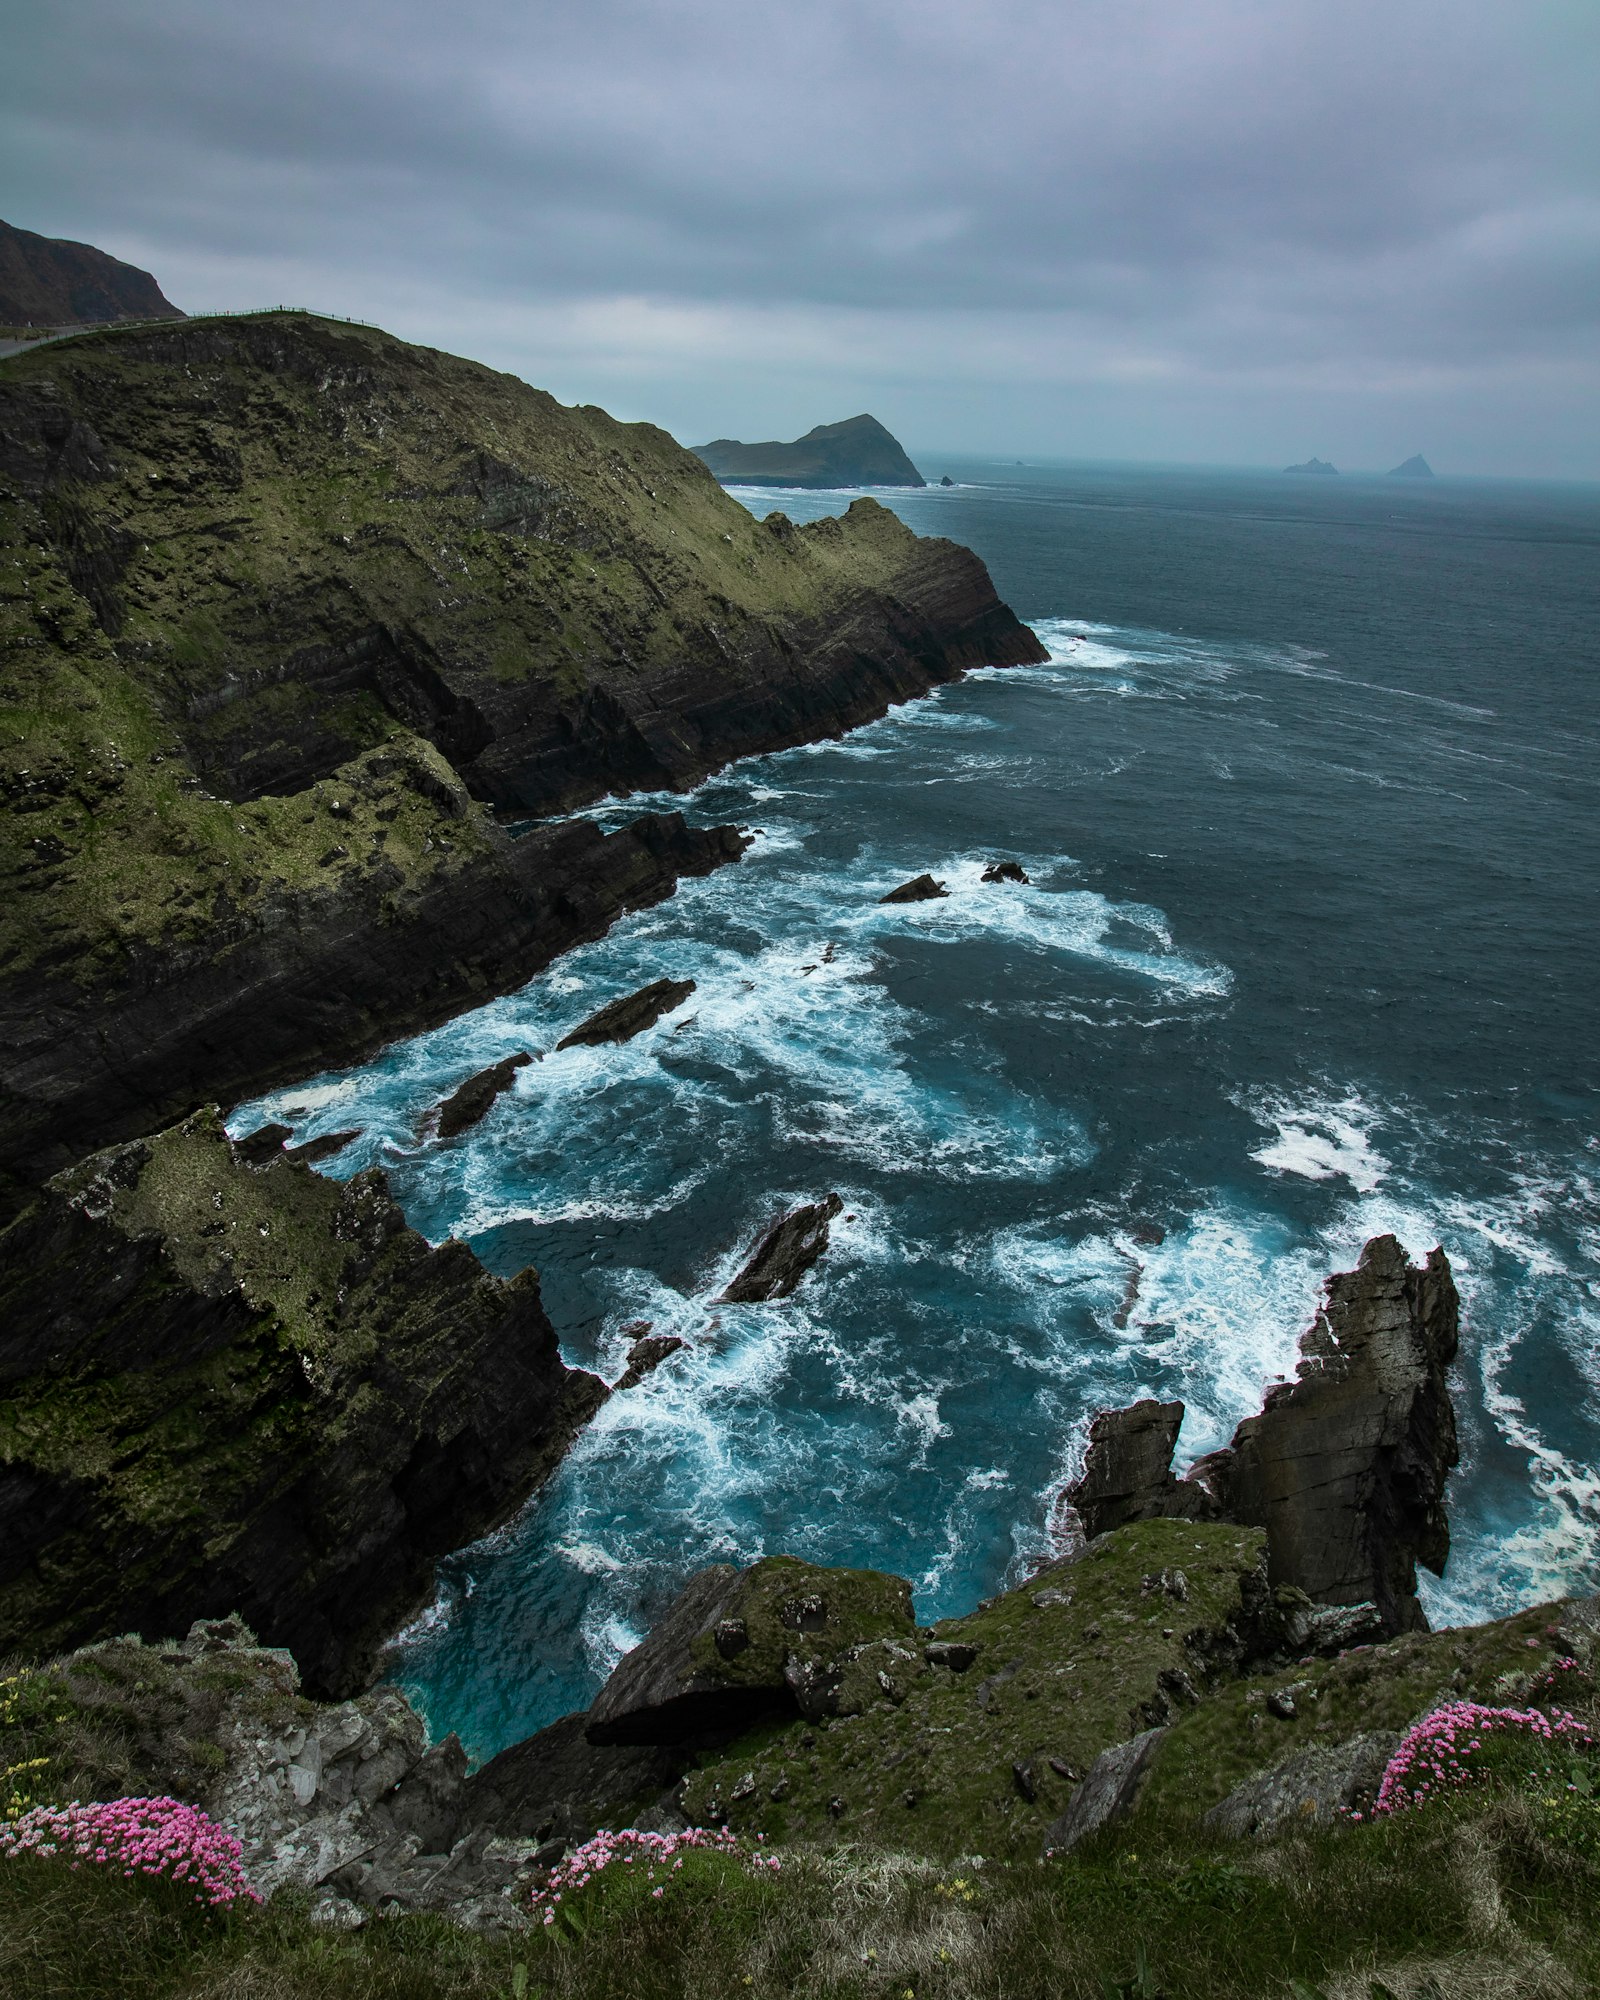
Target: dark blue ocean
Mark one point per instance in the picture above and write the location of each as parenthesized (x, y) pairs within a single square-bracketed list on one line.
[(1307, 799)]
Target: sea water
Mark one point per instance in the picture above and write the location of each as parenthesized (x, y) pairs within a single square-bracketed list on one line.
[(1305, 797)]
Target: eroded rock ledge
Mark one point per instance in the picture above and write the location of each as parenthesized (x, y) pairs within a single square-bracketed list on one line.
[(234, 1387)]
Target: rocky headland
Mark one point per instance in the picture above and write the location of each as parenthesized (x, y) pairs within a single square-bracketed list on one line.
[(857, 452), (51, 281)]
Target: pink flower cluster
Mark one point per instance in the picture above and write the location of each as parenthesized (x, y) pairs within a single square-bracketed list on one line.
[(1433, 1754), (160, 1837), (656, 1851)]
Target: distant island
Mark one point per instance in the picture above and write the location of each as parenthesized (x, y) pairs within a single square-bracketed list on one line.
[(1312, 465), (50, 281), (858, 452), (1414, 468)]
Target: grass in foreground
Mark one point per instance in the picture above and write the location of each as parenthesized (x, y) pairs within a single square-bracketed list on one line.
[(1492, 1894)]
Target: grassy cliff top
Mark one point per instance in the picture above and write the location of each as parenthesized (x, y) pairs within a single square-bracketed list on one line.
[(237, 557)]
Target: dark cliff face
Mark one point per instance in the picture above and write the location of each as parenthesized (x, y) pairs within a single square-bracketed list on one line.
[(858, 452), (226, 1385), (1344, 1468), (289, 609), (51, 281)]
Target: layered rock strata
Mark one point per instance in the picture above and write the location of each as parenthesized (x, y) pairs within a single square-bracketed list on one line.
[(228, 1386), (1344, 1468)]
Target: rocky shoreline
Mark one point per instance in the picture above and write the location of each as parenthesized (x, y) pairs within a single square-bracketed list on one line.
[(1168, 1664)]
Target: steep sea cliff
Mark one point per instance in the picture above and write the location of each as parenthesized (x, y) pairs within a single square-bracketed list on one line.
[(295, 619)]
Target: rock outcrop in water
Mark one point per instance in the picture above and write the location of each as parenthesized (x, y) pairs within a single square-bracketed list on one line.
[(857, 452), (297, 609), (234, 1385), (920, 889), (784, 1254), (1319, 465), (1344, 1468), (471, 1102), (620, 1020), (1416, 467)]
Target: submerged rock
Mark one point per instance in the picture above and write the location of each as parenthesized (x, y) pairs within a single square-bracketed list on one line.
[(646, 1355), (620, 1020), (467, 1105), (920, 889), (1345, 1466), (784, 1254)]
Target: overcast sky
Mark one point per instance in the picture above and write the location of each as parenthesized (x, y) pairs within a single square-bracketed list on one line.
[(1241, 231)]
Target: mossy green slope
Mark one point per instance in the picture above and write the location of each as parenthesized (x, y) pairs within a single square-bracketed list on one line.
[(1155, 1625)]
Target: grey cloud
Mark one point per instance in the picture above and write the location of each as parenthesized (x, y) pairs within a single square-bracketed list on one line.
[(1225, 183)]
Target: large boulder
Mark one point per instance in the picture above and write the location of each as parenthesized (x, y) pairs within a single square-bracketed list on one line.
[(778, 1639), (1344, 1467)]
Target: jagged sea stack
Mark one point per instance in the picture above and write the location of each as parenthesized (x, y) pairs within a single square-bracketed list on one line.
[(1344, 1467)]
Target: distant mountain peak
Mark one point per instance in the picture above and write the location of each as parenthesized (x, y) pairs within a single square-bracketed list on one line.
[(1416, 467), (859, 451), (1312, 465), (52, 281)]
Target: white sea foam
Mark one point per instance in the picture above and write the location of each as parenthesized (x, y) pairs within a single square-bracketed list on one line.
[(1322, 1140)]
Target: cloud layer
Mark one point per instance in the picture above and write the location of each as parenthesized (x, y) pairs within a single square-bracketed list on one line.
[(1216, 228)]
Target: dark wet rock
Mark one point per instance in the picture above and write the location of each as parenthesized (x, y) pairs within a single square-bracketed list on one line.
[(1312, 1788), (464, 1107), (1344, 1468), (814, 1644), (1127, 1474), (620, 1020), (920, 889), (1108, 1793), (784, 1254), (288, 990), (324, 1148), (646, 1355), (264, 1144), (946, 480), (1005, 871)]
